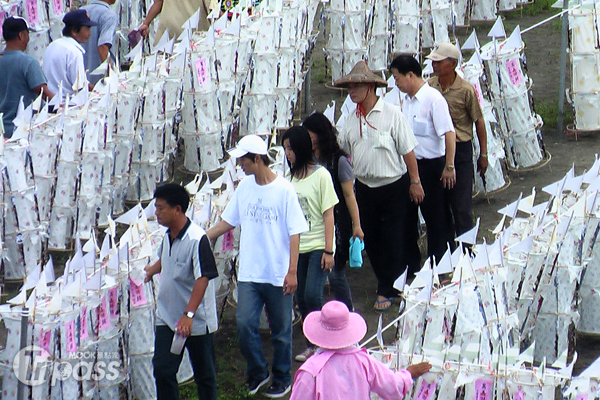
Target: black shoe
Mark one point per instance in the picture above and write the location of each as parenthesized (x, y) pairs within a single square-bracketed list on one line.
[(277, 390), (254, 384)]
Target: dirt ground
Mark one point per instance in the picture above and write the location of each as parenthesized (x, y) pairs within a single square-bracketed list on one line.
[(543, 54)]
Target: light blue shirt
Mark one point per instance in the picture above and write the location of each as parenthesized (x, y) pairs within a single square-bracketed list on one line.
[(104, 33)]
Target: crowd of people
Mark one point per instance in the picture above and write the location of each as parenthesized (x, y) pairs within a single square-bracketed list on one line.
[(71, 62), (68, 64), (366, 182)]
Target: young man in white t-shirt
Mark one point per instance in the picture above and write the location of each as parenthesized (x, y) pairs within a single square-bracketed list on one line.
[(266, 207)]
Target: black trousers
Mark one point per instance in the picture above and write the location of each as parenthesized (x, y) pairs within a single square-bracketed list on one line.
[(383, 220), (460, 196), (166, 364), (436, 212)]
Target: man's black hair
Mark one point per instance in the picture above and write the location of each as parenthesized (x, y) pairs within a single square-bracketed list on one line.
[(251, 156), (68, 30), (174, 194), (10, 35), (405, 64)]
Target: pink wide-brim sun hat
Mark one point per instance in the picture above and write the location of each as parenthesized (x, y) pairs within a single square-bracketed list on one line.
[(334, 327)]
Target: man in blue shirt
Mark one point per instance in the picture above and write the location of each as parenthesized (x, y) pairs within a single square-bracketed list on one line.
[(97, 48), (21, 74)]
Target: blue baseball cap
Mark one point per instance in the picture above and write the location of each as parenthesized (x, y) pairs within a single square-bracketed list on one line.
[(78, 18)]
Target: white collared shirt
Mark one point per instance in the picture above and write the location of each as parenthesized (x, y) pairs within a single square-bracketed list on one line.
[(377, 155), (63, 62), (428, 116)]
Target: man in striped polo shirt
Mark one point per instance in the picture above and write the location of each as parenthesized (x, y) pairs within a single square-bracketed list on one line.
[(381, 144)]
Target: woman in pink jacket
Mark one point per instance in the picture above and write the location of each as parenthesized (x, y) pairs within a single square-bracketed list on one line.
[(340, 370)]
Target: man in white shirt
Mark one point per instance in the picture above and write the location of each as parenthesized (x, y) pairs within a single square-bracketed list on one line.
[(266, 207), (381, 144), (428, 115), (63, 59)]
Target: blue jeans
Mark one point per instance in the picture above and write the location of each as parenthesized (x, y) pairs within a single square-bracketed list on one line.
[(252, 297), (311, 282), (166, 364)]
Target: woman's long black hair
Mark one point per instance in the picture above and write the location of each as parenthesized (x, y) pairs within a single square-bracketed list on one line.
[(329, 149), (301, 145)]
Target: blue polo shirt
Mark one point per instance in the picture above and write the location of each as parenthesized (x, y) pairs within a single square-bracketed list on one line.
[(20, 73)]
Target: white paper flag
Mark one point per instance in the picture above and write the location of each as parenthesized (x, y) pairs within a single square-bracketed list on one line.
[(497, 30), (469, 237), (380, 332), (472, 43)]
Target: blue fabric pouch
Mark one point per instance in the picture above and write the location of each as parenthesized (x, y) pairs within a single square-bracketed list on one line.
[(356, 248)]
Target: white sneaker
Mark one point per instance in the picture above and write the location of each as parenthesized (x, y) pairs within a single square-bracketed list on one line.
[(305, 355)]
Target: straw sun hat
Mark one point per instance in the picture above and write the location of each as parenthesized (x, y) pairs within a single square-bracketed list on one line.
[(334, 327), (360, 74)]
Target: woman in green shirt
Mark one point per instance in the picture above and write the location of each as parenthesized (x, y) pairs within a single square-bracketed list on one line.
[(317, 197)]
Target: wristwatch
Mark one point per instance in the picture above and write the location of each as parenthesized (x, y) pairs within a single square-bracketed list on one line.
[(189, 314), (415, 182), (484, 155), (450, 167)]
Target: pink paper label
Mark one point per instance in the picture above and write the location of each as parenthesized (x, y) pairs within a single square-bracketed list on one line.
[(426, 391), (202, 71), (45, 340), (113, 302), (136, 293), (519, 395), (514, 73), (70, 334), (32, 11), (483, 389), (228, 241), (477, 88), (57, 6), (83, 330), (103, 318)]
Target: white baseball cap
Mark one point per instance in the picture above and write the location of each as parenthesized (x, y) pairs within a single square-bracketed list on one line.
[(249, 144)]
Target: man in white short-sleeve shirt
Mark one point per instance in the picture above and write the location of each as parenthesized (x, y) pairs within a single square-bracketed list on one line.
[(381, 144), (63, 59), (267, 209), (428, 115)]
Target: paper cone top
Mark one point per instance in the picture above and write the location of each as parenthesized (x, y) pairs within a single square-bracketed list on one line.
[(497, 30), (472, 43), (514, 41)]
